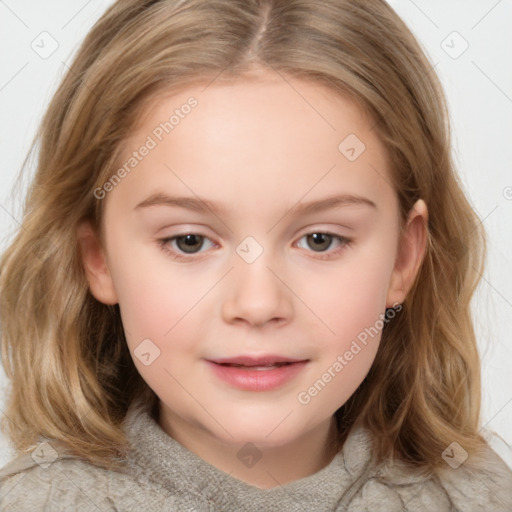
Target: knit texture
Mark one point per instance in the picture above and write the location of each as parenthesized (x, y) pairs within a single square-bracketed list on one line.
[(162, 474)]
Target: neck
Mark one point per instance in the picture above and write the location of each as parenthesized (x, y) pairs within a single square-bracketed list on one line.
[(277, 466)]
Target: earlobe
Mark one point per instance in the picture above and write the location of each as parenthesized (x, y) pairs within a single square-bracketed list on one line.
[(410, 254), (95, 265)]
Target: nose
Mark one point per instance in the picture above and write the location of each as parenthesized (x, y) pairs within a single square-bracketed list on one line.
[(257, 294)]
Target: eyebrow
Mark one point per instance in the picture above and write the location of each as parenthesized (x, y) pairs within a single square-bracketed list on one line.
[(205, 205)]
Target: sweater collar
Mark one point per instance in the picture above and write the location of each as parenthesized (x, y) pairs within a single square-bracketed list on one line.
[(160, 458)]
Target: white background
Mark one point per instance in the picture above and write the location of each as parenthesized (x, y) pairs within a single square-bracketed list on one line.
[(478, 84)]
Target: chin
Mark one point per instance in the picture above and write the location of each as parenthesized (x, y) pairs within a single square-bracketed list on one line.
[(264, 434)]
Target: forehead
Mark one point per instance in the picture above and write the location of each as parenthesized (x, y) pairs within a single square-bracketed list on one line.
[(264, 103), (251, 139)]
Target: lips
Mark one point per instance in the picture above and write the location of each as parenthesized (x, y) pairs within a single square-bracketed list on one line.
[(266, 361), (257, 373)]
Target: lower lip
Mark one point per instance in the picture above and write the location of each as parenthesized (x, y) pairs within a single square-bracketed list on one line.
[(257, 380)]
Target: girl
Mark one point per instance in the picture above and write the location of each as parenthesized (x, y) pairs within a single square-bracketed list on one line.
[(255, 371)]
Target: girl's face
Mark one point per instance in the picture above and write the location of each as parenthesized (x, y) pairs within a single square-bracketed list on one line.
[(292, 253)]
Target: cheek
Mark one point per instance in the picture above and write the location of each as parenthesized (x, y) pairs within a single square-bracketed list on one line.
[(352, 297), (352, 305), (154, 296), (157, 312)]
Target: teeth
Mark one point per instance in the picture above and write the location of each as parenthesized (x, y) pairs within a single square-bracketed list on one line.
[(258, 368)]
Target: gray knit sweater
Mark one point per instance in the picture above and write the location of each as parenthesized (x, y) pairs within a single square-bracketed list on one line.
[(164, 475)]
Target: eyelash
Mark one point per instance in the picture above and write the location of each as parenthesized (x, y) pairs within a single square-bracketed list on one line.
[(164, 245)]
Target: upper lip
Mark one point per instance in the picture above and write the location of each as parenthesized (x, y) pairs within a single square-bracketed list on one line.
[(256, 360)]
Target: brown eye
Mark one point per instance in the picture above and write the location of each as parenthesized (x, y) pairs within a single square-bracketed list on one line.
[(319, 241), (184, 247), (189, 243)]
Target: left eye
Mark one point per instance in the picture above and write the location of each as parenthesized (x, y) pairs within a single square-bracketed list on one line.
[(186, 243), (322, 241)]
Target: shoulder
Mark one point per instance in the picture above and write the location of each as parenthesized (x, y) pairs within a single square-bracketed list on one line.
[(63, 484), (455, 488), (487, 486), (70, 483)]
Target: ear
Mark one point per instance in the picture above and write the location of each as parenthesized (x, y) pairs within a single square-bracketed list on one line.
[(95, 265), (410, 254)]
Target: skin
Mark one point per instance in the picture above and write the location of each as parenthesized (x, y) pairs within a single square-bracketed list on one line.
[(257, 147)]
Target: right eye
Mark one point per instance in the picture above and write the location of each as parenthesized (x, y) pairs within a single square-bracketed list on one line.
[(182, 247), (325, 240)]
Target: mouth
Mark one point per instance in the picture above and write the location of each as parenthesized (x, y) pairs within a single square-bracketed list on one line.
[(266, 362), (264, 373), (266, 367), (256, 367)]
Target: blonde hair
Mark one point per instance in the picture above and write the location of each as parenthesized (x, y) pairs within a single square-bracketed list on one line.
[(72, 376)]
